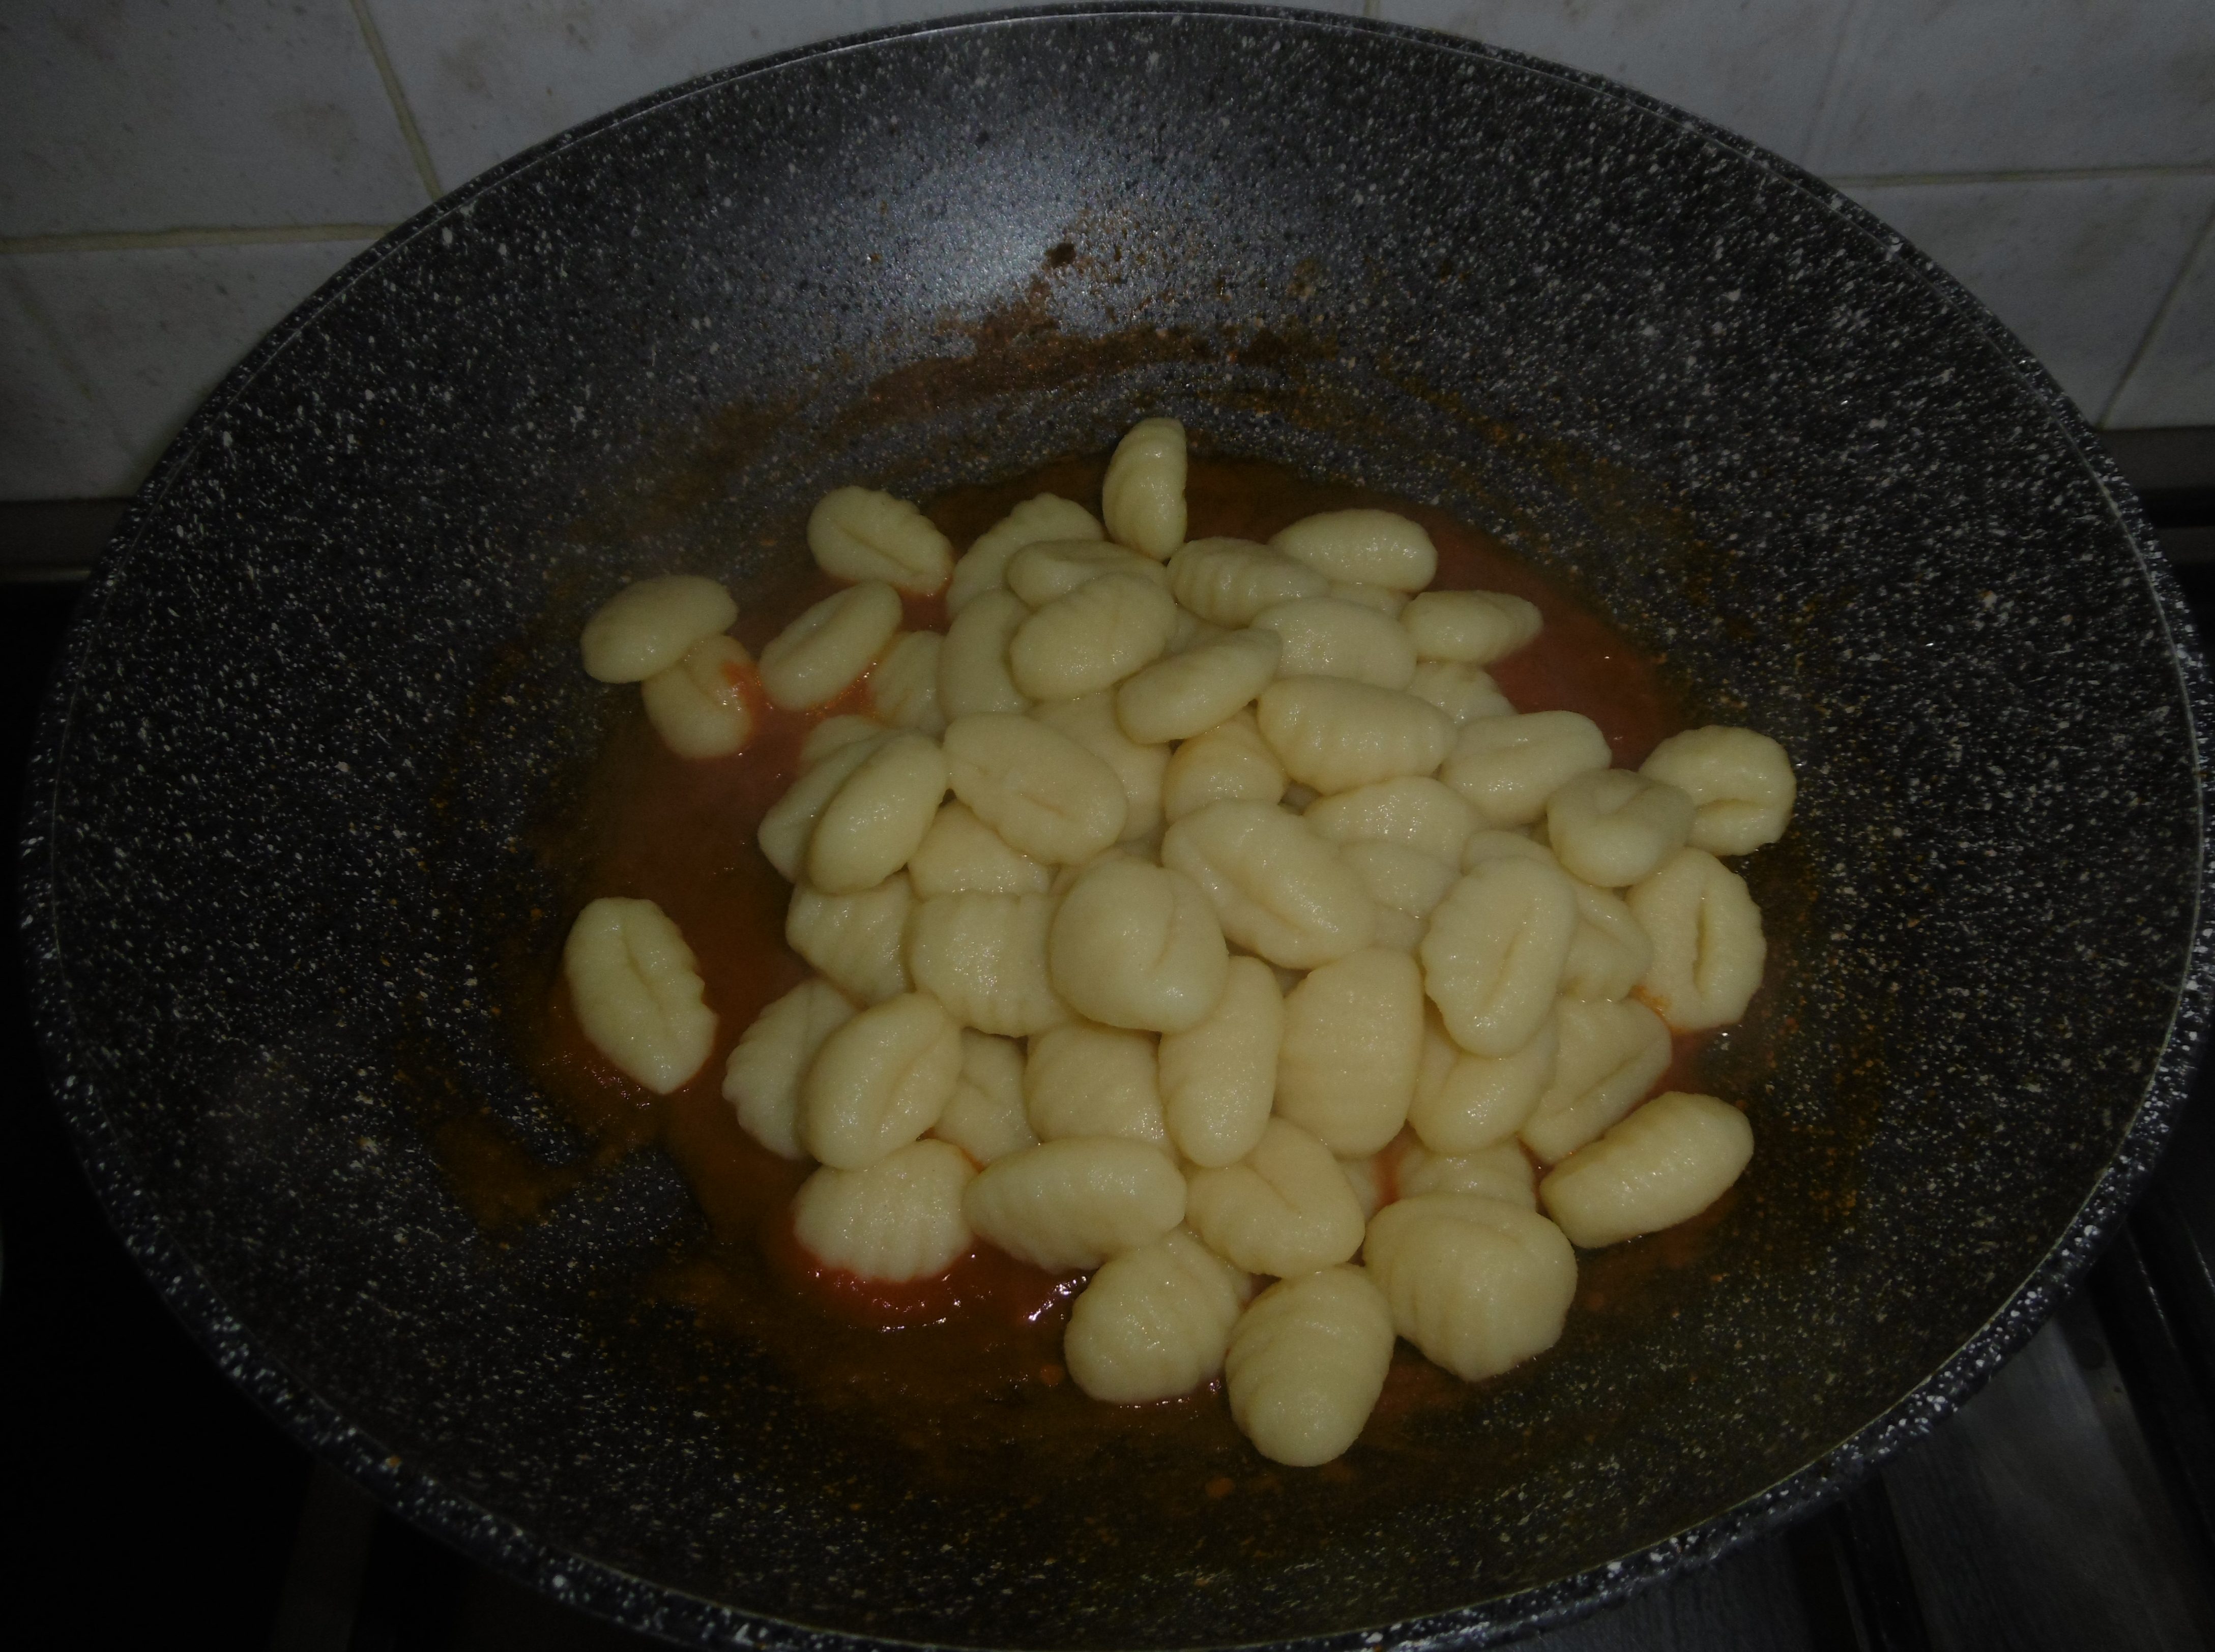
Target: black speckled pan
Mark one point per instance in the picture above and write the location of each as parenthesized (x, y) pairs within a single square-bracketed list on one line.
[(325, 679)]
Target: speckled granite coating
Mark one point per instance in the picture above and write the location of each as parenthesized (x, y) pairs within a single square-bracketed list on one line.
[(324, 682)]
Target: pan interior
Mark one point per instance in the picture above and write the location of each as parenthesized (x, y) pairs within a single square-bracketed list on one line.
[(321, 697)]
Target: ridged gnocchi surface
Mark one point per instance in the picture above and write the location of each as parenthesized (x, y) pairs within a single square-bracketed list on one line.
[(984, 1116), (1277, 889), (1218, 1077), (636, 989), (762, 1079), (896, 1220), (1154, 1321), (1086, 1080), (861, 533), (1665, 1163), (1261, 931), (983, 566), (699, 706), (650, 625), (1142, 499), (1306, 1363), (1076, 1202), (1040, 791), (825, 652), (1353, 1045), (880, 1080), (1335, 734), (1478, 1284), (1285, 1208), (1134, 944)]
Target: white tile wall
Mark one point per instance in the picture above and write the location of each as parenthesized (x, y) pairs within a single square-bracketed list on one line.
[(1756, 66), (121, 115), (148, 332), (2174, 383), (150, 149), (2064, 261)]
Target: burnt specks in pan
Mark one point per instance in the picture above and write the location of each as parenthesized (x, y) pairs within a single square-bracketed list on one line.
[(1681, 376)]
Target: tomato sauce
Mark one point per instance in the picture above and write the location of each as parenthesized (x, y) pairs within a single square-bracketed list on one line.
[(965, 1363)]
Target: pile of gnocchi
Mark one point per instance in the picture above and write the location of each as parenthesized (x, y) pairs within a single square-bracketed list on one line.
[(1200, 914)]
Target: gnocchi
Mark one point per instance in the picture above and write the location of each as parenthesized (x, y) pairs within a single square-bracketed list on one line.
[(897, 1219), (1665, 1163), (1229, 763), (1187, 694), (1076, 1202), (1285, 1208), (699, 706), (1470, 628), (1741, 783), (1133, 945), (825, 650), (880, 1080), (1464, 693), (855, 940), (650, 625), (1039, 574), (636, 989), (1142, 499), (984, 567), (904, 686), (972, 661), (1465, 1102), (762, 1079), (1508, 767), (1153, 1323), (1082, 1081), (1335, 734), (1306, 1363), (961, 855), (1608, 1057), (1323, 636), (1227, 582), (878, 816), (984, 956), (1092, 639), (1354, 1042), (1045, 795), (1478, 1284), (1374, 547), (1218, 1077), (861, 534), (1261, 931), (1612, 826), (1091, 721), (1709, 950), (1277, 889), (984, 1116), (1496, 951)]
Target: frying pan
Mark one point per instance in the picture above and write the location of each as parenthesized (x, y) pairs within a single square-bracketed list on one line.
[(323, 686)]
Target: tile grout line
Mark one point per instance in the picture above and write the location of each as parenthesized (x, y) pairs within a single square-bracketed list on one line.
[(2056, 174), (86, 384), (1818, 130), (125, 240), (398, 99), (2201, 246)]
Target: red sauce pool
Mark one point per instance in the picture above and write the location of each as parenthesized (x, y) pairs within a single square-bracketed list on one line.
[(956, 1365)]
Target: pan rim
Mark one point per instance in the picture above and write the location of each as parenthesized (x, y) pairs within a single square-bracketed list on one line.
[(626, 1598)]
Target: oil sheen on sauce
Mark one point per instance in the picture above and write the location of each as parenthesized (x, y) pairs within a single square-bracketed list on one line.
[(958, 1368)]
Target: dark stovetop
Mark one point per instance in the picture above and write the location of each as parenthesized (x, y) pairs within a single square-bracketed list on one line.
[(2069, 1505)]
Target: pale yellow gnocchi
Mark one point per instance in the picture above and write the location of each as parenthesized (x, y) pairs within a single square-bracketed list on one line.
[(897, 1219), (1154, 1323), (637, 993), (1261, 931), (860, 534)]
